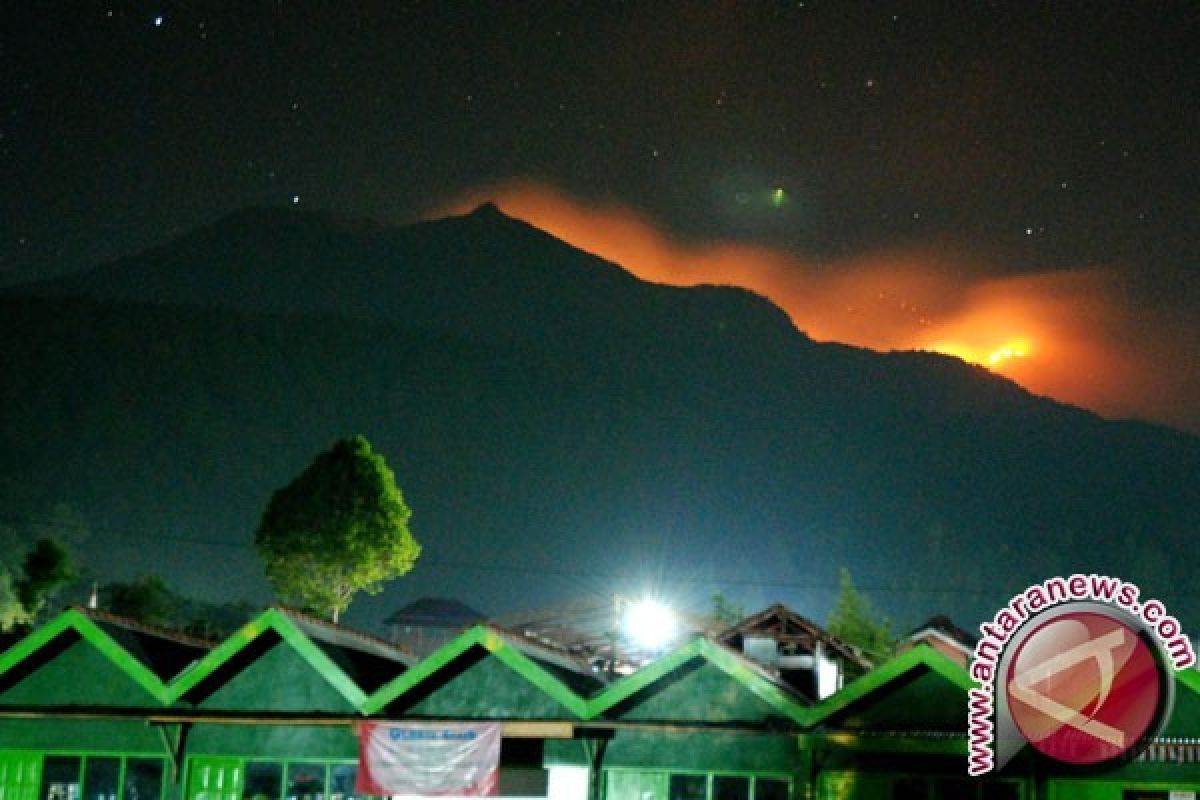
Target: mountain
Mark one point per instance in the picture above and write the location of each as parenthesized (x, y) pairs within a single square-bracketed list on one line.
[(559, 427)]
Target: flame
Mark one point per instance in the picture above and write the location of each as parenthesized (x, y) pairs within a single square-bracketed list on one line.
[(995, 358), (1067, 334), (1014, 348)]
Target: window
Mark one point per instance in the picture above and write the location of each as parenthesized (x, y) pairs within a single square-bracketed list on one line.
[(85, 777), (628, 784), (264, 780), (730, 787), (688, 787), (341, 781), (60, 778), (143, 779), (279, 780), (771, 789), (740, 787), (305, 781), (954, 789), (101, 776)]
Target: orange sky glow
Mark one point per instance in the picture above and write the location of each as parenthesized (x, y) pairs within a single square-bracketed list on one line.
[(1064, 334)]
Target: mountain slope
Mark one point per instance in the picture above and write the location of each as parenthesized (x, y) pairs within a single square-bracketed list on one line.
[(557, 425)]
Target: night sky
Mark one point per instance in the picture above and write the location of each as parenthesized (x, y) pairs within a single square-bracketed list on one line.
[(1015, 185)]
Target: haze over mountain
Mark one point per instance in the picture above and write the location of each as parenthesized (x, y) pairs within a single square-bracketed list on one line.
[(558, 426)]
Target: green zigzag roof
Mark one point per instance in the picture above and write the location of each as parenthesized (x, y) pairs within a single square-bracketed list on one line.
[(89, 631), (500, 645), (736, 667), (277, 621)]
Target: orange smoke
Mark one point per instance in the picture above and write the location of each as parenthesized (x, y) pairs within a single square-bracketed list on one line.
[(1061, 334)]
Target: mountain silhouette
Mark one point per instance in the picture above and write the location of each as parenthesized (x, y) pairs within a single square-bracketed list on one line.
[(558, 426)]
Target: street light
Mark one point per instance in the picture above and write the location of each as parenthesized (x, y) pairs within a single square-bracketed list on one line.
[(649, 624)]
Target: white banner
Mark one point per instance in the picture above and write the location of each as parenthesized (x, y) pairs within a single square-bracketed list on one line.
[(428, 759)]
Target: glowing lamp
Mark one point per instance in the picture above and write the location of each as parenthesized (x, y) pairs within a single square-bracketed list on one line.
[(650, 624)]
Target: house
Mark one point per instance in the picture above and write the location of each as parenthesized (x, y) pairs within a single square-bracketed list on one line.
[(940, 633), (805, 655), (427, 623)]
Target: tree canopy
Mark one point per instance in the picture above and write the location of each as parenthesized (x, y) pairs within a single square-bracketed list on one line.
[(725, 610), (339, 528), (46, 569), (147, 598), (853, 621)]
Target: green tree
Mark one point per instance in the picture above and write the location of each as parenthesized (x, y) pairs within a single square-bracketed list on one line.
[(339, 528), (12, 613), (47, 568), (853, 621), (147, 599), (725, 610)]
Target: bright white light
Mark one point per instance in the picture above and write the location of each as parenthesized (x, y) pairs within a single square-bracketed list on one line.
[(650, 624), (567, 783)]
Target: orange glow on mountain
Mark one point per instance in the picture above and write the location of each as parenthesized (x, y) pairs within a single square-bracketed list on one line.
[(1066, 334), (1014, 348), (995, 359)]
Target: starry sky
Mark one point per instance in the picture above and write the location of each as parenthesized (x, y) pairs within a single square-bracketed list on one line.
[(1016, 185)]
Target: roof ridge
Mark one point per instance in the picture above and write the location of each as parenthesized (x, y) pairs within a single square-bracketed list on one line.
[(765, 672), (846, 649), (547, 648), (310, 619), (101, 615)]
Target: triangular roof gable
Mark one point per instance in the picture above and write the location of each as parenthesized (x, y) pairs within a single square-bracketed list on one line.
[(737, 668), (498, 646), (438, 612), (276, 621), (774, 620), (367, 660), (93, 634), (893, 672), (943, 625)]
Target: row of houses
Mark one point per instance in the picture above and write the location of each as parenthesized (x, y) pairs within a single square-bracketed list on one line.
[(97, 707)]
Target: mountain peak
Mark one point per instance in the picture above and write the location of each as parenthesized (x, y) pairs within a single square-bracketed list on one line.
[(487, 209)]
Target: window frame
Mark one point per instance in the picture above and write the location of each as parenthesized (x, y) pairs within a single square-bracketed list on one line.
[(753, 776), (244, 762), (122, 757)]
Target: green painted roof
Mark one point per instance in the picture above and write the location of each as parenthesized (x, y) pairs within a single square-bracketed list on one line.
[(1185, 716), (166, 653), (739, 668), (527, 659), (277, 622), (368, 660), (949, 680), (75, 622)]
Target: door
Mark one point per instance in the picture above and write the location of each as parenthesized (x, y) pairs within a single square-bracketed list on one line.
[(213, 779), (630, 784), (20, 776)]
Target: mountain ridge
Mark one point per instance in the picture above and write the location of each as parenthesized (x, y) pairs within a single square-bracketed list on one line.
[(243, 256), (628, 429)]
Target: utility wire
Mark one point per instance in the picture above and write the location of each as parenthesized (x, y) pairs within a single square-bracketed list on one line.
[(925, 588)]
